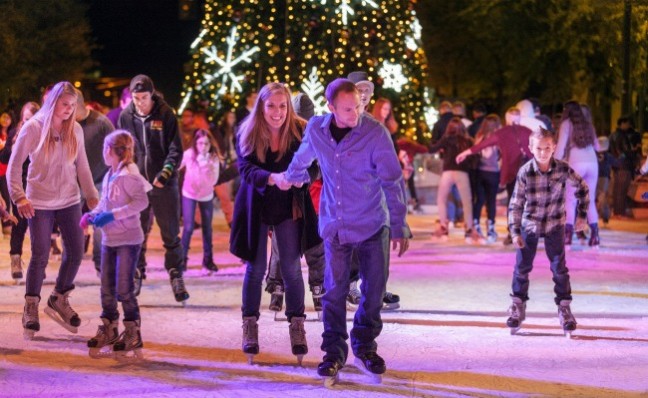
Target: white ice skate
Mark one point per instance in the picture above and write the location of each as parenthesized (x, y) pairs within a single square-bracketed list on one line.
[(101, 346), (566, 318), (517, 312), (58, 308)]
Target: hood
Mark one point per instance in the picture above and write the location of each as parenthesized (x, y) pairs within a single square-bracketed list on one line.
[(526, 108)]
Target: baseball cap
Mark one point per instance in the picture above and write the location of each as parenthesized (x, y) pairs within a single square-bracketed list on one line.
[(141, 83), (360, 78)]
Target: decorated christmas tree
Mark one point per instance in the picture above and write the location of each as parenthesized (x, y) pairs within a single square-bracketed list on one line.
[(307, 44)]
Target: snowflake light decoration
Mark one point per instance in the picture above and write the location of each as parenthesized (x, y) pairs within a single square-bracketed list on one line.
[(416, 27), (410, 43), (226, 70), (314, 89), (392, 75), (345, 9)]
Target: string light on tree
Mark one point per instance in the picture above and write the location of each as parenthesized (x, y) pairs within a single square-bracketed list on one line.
[(392, 75), (314, 89), (227, 64), (345, 9)]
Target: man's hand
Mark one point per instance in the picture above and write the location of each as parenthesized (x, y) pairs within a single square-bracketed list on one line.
[(402, 244), (25, 209), (518, 242)]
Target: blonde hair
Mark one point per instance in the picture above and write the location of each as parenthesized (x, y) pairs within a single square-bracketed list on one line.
[(45, 114), (121, 143), (254, 133)]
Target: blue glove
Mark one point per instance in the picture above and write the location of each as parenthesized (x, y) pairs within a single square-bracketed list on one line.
[(103, 218)]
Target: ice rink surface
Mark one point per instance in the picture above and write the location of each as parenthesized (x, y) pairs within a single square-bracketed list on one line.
[(448, 339)]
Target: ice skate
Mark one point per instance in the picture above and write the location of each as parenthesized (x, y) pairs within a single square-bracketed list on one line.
[(582, 238), (372, 365), (58, 308), (250, 337), (298, 338), (329, 370), (517, 312), (137, 282), (318, 292), (16, 268), (473, 236), (30, 321), (491, 236), (391, 301), (353, 297), (441, 233), (276, 302), (101, 346), (129, 346), (566, 318), (178, 286), (209, 268), (594, 239)]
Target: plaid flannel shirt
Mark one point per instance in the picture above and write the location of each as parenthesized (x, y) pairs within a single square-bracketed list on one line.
[(538, 201)]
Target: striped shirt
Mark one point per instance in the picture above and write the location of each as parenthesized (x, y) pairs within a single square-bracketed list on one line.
[(538, 201)]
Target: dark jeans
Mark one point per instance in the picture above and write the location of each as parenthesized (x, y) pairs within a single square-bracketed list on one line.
[(289, 246), (314, 259), (621, 184), (96, 238), (164, 204), (117, 271), (40, 229), (486, 184), (206, 215), (555, 249), (373, 255), (17, 233)]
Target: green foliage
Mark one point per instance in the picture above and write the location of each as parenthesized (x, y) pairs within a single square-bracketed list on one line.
[(42, 42)]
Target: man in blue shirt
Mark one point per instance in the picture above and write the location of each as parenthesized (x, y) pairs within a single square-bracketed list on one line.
[(362, 208)]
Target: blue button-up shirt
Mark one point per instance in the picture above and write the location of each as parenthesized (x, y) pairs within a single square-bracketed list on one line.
[(363, 186)]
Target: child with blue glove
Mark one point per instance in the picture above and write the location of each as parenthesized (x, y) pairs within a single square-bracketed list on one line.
[(123, 197)]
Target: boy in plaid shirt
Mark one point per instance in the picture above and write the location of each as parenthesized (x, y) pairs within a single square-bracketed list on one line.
[(537, 209)]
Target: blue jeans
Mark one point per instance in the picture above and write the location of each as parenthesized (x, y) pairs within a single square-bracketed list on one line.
[(40, 232), (288, 244), (117, 271), (206, 215), (373, 256), (164, 204), (555, 249)]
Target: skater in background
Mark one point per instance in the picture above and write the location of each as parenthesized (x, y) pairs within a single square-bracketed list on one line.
[(202, 165), (577, 145), (268, 139), (625, 145), (537, 210), (605, 163), (361, 175), (53, 141), (20, 229), (158, 153), (123, 197)]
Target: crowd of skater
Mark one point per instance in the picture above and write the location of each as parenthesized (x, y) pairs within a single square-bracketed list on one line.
[(333, 188)]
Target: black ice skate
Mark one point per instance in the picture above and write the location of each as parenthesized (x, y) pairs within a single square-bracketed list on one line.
[(517, 312), (178, 286), (276, 302), (129, 346), (298, 337), (318, 292), (101, 346), (329, 369), (30, 321), (566, 318), (208, 267), (391, 301), (58, 308), (372, 365), (16, 268), (353, 298), (250, 337)]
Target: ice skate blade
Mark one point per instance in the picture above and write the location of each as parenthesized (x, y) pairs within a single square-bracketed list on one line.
[(250, 358), (17, 281), (390, 306), (515, 330), (319, 316), (300, 357), (56, 318), (28, 334), (374, 378), (568, 334), (97, 353), (330, 381), (129, 356)]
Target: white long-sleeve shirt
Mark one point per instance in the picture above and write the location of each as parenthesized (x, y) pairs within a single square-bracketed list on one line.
[(52, 182)]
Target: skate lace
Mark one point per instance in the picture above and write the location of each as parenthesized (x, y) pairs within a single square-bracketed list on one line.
[(250, 332), (177, 284), (63, 307), (318, 291), (565, 313), (31, 312), (354, 294), (514, 311), (297, 332)]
